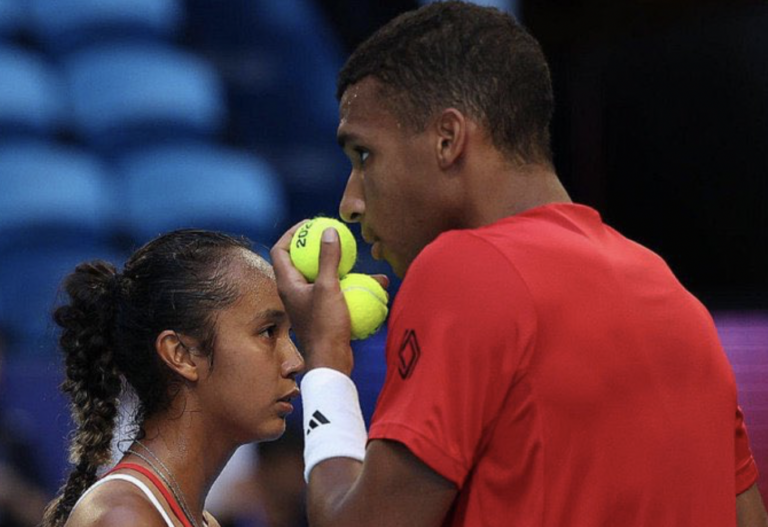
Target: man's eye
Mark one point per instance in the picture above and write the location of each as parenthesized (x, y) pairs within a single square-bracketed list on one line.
[(363, 154)]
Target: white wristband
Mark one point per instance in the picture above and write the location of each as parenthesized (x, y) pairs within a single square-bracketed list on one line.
[(333, 421)]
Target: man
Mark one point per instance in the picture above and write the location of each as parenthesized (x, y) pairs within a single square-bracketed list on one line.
[(542, 369)]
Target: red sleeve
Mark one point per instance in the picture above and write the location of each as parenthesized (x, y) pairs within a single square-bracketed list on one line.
[(460, 333), (746, 468)]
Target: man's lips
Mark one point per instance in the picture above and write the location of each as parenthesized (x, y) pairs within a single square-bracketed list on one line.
[(376, 245), (377, 251), (291, 395)]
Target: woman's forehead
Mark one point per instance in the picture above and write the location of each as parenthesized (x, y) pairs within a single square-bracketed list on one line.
[(252, 261), (257, 290)]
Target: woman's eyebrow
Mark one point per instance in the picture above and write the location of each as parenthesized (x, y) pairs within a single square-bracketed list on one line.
[(276, 315)]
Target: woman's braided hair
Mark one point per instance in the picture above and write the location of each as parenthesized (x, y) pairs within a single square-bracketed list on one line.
[(109, 326)]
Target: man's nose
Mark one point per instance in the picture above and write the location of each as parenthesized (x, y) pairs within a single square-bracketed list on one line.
[(352, 206)]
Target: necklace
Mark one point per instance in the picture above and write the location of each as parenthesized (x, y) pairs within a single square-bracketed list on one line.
[(167, 483), (178, 498), (174, 487)]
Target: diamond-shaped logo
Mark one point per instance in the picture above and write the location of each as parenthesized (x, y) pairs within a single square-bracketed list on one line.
[(409, 354)]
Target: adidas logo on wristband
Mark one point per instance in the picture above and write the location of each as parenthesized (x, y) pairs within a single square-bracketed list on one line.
[(317, 419)]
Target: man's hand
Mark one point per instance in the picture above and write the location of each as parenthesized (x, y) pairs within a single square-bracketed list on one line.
[(318, 312)]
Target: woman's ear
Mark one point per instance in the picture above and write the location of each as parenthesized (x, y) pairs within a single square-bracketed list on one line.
[(178, 355)]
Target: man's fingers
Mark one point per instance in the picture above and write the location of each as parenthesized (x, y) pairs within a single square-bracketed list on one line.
[(382, 279), (285, 272), (284, 243), (330, 254), (281, 258)]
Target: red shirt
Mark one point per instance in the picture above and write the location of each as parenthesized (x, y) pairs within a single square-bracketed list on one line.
[(560, 375)]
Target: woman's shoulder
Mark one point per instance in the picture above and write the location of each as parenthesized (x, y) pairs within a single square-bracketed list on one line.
[(115, 503)]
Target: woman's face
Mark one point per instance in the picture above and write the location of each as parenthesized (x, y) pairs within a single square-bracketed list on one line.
[(246, 392)]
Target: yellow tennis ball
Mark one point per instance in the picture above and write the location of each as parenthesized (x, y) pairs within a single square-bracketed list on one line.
[(305, 247), (367, 303)]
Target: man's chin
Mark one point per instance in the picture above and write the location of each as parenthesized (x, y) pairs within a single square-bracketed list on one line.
[(399, 268)]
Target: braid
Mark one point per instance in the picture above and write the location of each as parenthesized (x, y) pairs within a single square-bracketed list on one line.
[(92, 379)]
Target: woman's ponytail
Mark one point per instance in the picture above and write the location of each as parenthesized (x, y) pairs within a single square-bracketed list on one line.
[(92, 379)]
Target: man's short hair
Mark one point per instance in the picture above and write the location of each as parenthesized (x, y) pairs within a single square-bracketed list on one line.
[(476, 59)]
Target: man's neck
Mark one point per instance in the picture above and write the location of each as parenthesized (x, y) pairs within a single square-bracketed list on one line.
[(501, 192)]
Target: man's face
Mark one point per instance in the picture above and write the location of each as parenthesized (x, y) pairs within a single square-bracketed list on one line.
[(394, 189)]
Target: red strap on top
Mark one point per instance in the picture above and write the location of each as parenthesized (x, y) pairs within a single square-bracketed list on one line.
[(159, 485)]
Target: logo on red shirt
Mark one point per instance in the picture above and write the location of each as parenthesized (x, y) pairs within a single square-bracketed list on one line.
[(409, 354)]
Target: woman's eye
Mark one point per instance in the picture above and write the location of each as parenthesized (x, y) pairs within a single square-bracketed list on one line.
[(269, 332)]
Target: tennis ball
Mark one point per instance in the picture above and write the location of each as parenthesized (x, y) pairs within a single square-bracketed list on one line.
[(305, 247), (367, 303)]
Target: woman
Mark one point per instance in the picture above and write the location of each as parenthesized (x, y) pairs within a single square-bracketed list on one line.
[(194, 327)]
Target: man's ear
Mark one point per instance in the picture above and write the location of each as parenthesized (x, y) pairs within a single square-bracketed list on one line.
[(451, 128), (177, 355)]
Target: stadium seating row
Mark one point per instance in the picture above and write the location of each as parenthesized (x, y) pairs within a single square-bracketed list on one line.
[(113, 98), (109, 71), (63, 25)]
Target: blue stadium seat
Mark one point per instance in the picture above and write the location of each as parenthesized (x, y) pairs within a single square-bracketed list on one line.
[(12, 18), (30, 100), (135, 95), (66, 25), (30, 281), (52, 194), (31, 400), (30, 287), (201, 186), (281, 59)]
